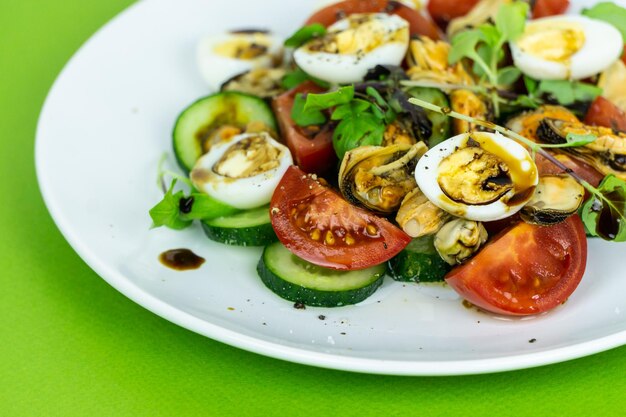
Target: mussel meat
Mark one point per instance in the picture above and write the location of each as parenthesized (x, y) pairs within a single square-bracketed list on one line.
[(482, 12), (418, 216), (607, 153), (378, 177), (470, 104), (396, 133), (459, 239), (428, 61), (613, 84), (526, 124), (556, 198)]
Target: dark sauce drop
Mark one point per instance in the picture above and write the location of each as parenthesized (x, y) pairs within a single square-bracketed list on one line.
[(609, 220), (521, 196), (181, 259)]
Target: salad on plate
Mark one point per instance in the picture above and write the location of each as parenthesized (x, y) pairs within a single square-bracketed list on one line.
[(476, 143)]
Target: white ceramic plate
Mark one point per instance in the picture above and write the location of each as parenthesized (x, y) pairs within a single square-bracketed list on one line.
[(103, 128)]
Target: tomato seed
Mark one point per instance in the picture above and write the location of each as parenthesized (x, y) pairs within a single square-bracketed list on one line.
[(330, 238), (371, 230), (316, 234)]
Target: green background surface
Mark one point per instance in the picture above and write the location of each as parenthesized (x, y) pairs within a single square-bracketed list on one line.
[(70, 345)]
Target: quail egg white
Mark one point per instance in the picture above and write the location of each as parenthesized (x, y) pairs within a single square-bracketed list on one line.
[(566, 47), (478, 176), (353, 45), (244, 171), (224, 56)]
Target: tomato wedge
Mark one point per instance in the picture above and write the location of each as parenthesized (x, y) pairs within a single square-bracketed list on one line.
[(317, 224), (525, 269), (544, 8), (442, 11), (604, 113), (311, 149), (418, 23)]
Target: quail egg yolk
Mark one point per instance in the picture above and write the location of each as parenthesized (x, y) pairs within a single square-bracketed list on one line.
[(474, 176), (248, 157), (365, 32), (552, 41), (244, 47)]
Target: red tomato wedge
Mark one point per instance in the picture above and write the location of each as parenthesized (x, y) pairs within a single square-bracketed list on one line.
[(418, 23), (318, 225), (624, 55), (312, 150), (544, 8), (525, 269), (442, 11), (604, 113)]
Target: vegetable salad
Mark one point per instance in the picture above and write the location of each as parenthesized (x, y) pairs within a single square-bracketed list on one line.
[(478, 143)]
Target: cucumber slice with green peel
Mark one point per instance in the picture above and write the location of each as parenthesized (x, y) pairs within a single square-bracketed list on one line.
[(246, 228), (197, 122), (418, 262), (441, 123), (297, 280)]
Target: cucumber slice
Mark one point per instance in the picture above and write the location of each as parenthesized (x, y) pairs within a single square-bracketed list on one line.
[(418, 262), (198, 120), (297, 280), (441, 122), (247, 228)]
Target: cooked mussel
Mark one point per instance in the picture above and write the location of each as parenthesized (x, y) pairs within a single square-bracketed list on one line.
[(418, 216), (378, 177), (459, 239), (482, 12), (526, 123), (262, 82), (397, 133), (607, 153), (556, 198), (613, 84), (470, 104), (427, 60)]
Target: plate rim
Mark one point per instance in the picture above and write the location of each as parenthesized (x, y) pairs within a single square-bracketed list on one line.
[(271, 349)]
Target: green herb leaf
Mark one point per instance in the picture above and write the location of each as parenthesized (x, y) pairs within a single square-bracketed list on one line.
[(166, 212), (297, 77), (604, 214), (346, 110), (356, 128), (531, 85), (567, 92), (177, 210), (205, 207), (508, 75), (327, 100), (305, 34), (511, 20), (525, 101), (464, 45), (610, 13), (294, 78), (490, 34), (384, 110), (574, 139), (305, 117)]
